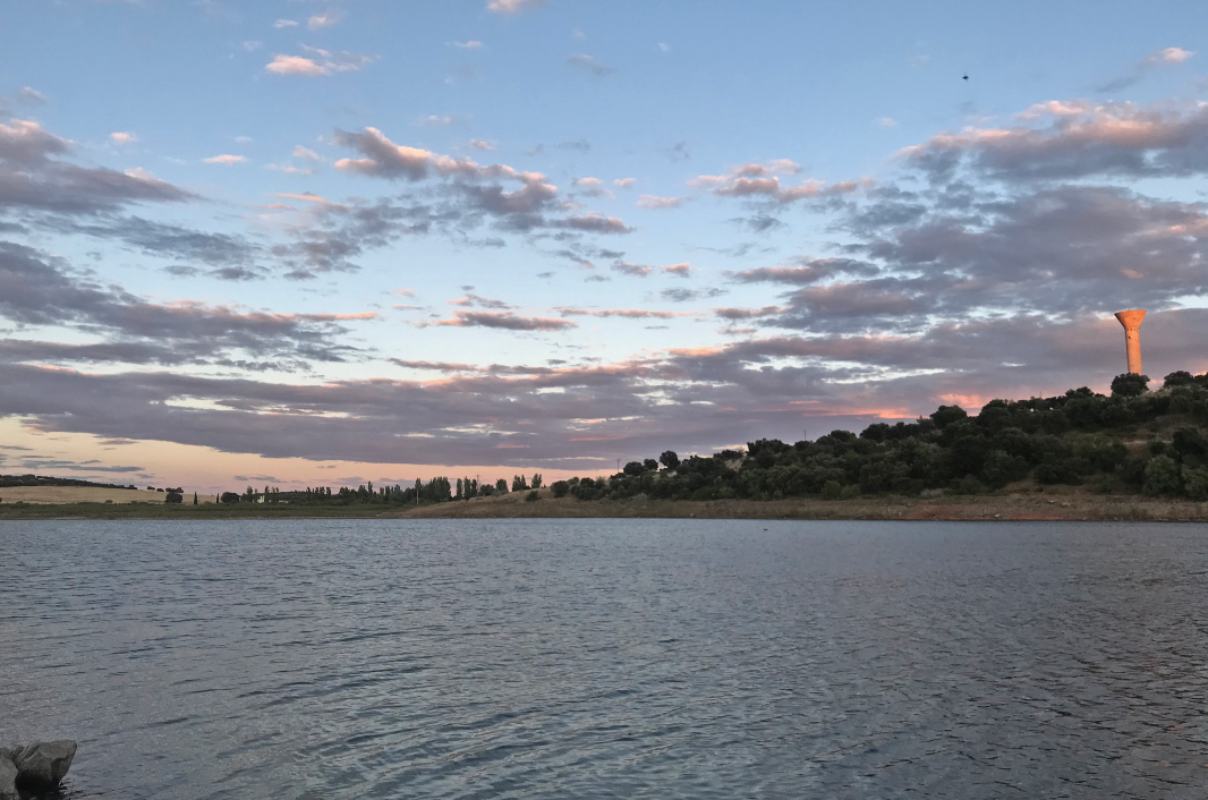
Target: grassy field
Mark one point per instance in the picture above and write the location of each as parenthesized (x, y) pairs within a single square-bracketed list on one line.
[(76, 494), (1057, 505)]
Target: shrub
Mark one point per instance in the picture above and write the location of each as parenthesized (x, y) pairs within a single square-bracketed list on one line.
[(532, 496), (1162, 476), (831, 490), (559, 488), (1195, 483), (969, 485)]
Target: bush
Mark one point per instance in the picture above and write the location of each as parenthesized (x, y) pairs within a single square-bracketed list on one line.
[(532, 496), (559, 488), (1162, 476), (229, 498), (1195, 483), (831, 490), (969, 485), (174, 497)]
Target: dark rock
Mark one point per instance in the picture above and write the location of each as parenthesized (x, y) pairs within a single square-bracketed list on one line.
[(43, 764), (8, 777)]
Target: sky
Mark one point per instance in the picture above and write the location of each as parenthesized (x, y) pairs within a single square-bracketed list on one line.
[(309, 243)]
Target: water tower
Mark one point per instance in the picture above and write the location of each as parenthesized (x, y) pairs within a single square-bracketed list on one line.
[(1131, 319)]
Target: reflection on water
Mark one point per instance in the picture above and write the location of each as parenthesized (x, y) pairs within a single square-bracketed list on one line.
[(599, 659)]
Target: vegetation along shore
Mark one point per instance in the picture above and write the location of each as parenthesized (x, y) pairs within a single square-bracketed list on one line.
[(1133, 454)]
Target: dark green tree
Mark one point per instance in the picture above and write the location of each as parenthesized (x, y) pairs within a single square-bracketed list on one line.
[(1130, 384)]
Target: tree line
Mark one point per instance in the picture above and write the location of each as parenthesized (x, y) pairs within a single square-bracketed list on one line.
[(436, 490), (1131, 441)]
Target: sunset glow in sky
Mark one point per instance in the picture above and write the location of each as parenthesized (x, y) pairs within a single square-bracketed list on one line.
[(321, 243)]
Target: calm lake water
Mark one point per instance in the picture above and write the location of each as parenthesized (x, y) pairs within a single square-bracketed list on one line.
[(610, 659)]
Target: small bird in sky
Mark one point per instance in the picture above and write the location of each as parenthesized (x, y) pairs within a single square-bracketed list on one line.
[(964, 77)]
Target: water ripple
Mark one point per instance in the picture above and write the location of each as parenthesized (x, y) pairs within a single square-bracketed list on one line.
[(597, 659)]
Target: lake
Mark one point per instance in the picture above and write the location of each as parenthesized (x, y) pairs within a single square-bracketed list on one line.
[(610, 658)]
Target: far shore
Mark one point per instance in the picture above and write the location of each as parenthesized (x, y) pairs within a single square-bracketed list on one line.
[(1038, 506)]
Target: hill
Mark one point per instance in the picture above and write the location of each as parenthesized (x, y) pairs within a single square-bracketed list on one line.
[(1134, 441), (48, 480), (53, 494)]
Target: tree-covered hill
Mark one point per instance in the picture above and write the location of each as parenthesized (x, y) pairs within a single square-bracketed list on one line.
[(1133, 441)]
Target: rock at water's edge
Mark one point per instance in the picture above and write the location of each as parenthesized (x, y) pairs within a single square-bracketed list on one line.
[(8, 777), (44, 764)]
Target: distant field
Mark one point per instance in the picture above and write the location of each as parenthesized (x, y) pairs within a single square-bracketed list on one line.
[(57, 495)]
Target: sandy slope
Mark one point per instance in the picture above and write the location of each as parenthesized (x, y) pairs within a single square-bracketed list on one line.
[(1057, 505)]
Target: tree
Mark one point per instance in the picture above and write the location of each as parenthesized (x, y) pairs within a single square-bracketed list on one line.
[(559, 488), (537, 480), (194, 498), (519, 483), (669, 459), (229, 498), (501, 486), (1178, 378), (946, 415), (634, 468), (1130, 384), (174, 496)]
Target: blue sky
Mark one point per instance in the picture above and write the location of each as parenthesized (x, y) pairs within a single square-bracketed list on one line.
[(298, 228)]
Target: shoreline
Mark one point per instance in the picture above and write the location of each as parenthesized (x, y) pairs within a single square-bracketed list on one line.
[(1037, 507)]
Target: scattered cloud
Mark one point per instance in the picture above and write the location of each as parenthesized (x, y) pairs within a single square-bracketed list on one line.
[(437, 120), (1080, 140), (590, 64), (763, 182), (30, 95), (636, 270), (318, 62), (512, 6), (505, 321), (40, 290), (680, 295), (1164, 57), (34, 176), (225, 159), (468, 44), (324, 20), (659, 201), (122, 137), (305, 153)]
